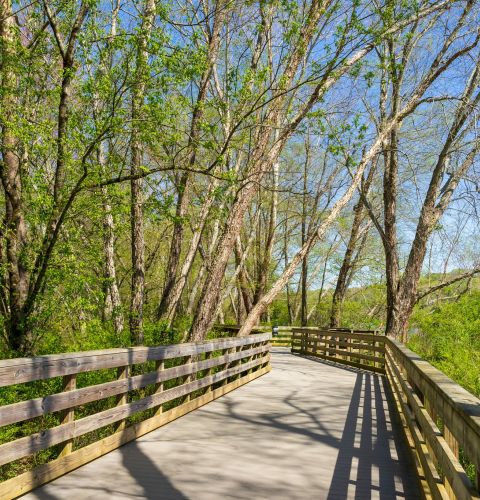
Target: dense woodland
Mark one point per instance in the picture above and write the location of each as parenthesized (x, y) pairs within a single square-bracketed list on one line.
[(166, 166)]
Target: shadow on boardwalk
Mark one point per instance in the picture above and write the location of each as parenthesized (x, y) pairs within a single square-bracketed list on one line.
[(309, 429)]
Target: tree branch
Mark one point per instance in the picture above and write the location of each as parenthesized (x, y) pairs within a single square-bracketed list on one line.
[(460, 277)]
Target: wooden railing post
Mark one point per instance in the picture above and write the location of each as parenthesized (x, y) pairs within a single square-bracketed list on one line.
[(453, 445), (208, 355), (69, 384), (122, 373), (160, 366), (188, 378)]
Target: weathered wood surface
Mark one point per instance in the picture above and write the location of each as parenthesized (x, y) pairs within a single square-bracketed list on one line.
[(55, 402), (306, 430)]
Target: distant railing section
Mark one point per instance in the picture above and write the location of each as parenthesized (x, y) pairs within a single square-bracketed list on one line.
[(148, 387), (441, 420), (282, 339), (359, 348)]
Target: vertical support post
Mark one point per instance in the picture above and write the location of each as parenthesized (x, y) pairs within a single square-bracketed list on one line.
[(238, 361), (69, 384), (160, 366), (453, 445), (254, 356), (208, 355), (231, 350), (264, 354), (431, 411), (122, 373), (188, 378)]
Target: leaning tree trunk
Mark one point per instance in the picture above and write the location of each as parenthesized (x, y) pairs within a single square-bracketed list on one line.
[(345, 273)]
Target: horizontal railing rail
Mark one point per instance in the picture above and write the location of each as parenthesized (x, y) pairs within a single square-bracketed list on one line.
[(441, 420), (361, 349), (151, 386), (283, 337)]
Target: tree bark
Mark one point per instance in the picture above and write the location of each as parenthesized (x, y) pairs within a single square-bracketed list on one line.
[(112, 308)]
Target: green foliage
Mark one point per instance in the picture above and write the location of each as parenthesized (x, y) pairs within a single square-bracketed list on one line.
[(449, 337)]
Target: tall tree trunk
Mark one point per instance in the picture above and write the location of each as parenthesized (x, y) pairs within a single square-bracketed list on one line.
[(112, 307), (112, 301), (304, 274), (14, 229), (136, 184)]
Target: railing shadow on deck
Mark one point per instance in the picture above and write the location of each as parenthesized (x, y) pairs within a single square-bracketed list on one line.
[(364, 462), (439, 419), (372, 455)]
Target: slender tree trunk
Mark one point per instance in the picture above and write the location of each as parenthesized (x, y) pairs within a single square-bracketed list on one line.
[(112, 307), (14, 229), (304, 274), (136, 185), (112, 300)]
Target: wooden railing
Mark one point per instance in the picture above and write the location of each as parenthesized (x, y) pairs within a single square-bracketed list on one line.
[(359, 348), (282, 339), (440, 419), (147, 387)]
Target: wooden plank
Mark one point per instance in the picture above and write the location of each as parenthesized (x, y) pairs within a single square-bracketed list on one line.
[(122, 374), (42, 474), (208, 355), (342, 335), (353, 345), (188, 378), (42, 440), (20, 370), (25, 410), (408, 436), (160, 366), (358, 355)]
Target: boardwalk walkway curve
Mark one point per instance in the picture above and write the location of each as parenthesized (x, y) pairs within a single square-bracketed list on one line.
[(343, 415)]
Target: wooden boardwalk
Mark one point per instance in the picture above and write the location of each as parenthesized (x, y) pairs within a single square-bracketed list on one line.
[(308, 429)]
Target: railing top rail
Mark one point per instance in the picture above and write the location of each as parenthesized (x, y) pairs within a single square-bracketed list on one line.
[(21, 370), (312, 329)]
